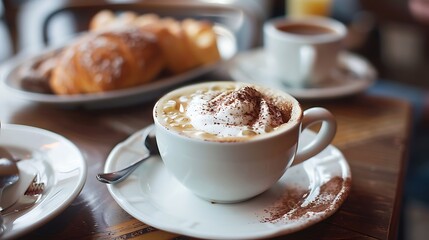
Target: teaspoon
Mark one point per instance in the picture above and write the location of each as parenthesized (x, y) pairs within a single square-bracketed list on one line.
[(120, 175)]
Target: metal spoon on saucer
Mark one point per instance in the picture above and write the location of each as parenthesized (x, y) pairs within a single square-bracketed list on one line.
[(118, 176)]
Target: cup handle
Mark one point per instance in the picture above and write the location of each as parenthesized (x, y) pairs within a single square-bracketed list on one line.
[(323, 138)]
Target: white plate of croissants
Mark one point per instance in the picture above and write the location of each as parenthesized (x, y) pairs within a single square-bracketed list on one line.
[(121, 59)]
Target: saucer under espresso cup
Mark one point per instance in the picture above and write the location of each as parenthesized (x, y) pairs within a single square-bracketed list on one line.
[(303, 51), (239, 155)]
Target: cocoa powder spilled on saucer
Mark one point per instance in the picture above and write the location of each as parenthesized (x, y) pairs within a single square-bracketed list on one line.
[(294, 205)]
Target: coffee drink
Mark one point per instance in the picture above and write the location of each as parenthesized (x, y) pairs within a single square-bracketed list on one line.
[(226, 111), (305, 29), (303, 52), (228, 141)]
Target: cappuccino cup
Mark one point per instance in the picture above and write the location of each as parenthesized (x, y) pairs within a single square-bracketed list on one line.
[(229, 141), (303, 51)]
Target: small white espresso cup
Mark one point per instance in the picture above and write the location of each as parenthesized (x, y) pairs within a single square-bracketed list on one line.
[(303, 51), (227, 170)]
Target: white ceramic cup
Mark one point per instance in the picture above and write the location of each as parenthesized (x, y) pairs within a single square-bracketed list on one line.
[(227, 172), (299, 52)]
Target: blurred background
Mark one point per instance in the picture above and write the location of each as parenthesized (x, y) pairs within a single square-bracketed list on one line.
[(388, 33)]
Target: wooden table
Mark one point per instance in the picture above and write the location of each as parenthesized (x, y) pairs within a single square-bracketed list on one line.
[(373, 135)]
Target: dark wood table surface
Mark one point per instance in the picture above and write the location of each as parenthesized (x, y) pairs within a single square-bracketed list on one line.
[(373, 135)]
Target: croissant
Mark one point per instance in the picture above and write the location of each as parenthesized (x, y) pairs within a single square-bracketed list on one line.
[(107, 19), (185, 44), (107, 60), (102, 19), (174, 44), (202, 39)]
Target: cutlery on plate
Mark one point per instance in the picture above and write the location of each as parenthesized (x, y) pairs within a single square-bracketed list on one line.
[(9, 174), (28, 199), (33, 193), (120, 175)]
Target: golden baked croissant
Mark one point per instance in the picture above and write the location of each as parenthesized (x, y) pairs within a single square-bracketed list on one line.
[(202, 40), (185, 44), (174, 44), (107, 19), (107, 60)]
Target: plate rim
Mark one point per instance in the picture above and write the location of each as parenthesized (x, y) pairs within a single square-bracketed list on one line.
[(77, 188), (278, 231)]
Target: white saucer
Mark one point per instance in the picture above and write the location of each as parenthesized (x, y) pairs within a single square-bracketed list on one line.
[(59, 164), (156, 198), (354, 75)]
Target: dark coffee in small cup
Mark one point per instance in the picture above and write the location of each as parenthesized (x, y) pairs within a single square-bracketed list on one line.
[(303, 52), (304, 29)]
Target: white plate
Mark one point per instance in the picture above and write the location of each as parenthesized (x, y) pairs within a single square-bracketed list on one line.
[(12, 81), (59, 164), (354, 74), (154, 197)]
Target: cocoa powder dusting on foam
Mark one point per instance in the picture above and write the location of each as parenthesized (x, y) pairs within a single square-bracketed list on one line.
[(291, 205), (253, 97), (284, 109), (247, 95), (230, 113)]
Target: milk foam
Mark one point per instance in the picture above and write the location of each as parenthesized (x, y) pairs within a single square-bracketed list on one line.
[(234, 112)]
